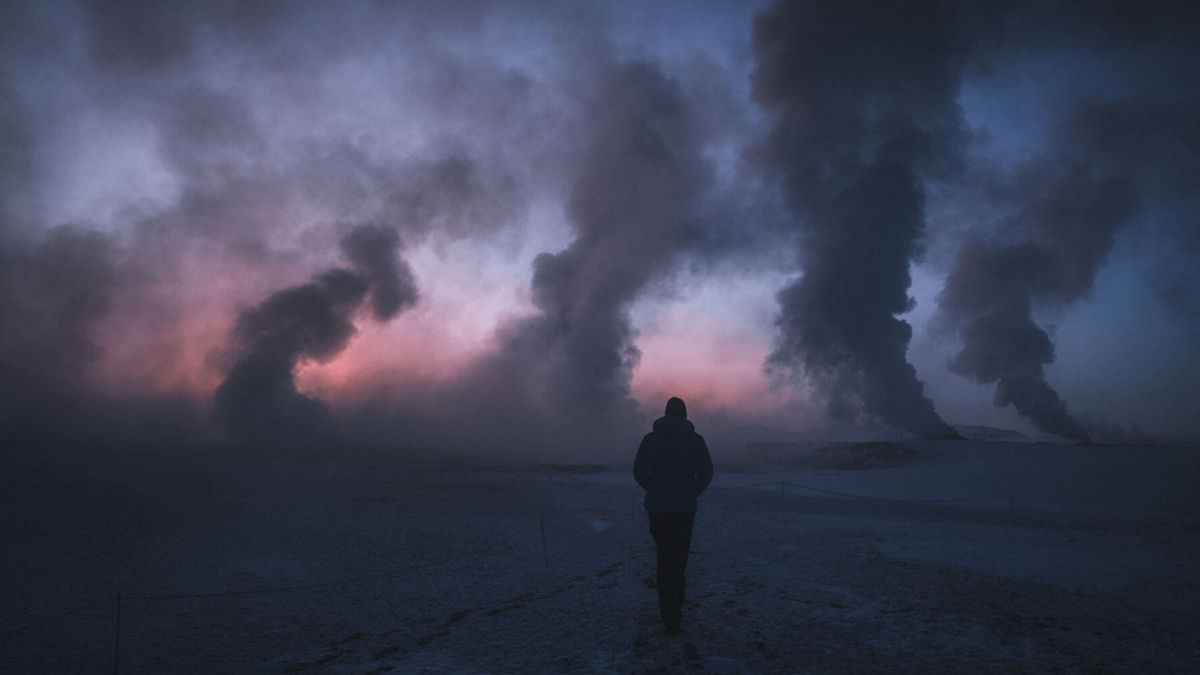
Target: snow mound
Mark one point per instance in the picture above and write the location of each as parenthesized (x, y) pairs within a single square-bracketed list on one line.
[(838, 456)]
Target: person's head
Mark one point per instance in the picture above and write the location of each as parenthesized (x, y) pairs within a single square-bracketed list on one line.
[(676, 408)]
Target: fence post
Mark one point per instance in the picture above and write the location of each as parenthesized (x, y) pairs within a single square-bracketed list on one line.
[(117, 638), (545, 553)]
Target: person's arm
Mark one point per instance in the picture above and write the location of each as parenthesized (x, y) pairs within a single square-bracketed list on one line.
[(641, 464), (704, 470)]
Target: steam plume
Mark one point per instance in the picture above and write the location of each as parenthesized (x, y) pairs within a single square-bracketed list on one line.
[(258, 400), (52, 294), (1065, 211), (635, 205), (372, 251), (862, 101)]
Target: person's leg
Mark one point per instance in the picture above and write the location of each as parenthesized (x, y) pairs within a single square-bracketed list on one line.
[(671, 539), (660, 529), (686, 523)]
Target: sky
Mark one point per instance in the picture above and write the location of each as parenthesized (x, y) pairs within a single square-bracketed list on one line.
[(516, 228)]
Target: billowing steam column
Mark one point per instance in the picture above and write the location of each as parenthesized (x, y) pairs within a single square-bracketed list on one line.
[(258, 400), (862, 104)]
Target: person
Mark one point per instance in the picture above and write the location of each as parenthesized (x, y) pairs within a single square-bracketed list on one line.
[(673, 467)]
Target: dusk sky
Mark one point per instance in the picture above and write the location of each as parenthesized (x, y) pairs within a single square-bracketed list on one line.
[(518, 227)]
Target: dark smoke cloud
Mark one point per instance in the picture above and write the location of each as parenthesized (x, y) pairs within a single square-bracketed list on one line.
[(1153, 146), (1117, 159), (560, 379), (636, 206), (253, 134), (139, 38), (258, 400), (51, 296), (56, 292), (1071, 219), (16, 162), (372, 251), (248, 195), (1065, 211), (862, 102)]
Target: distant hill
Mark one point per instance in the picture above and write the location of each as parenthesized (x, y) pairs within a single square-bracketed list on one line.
[(741, 437), (979, 432), (839, 456)]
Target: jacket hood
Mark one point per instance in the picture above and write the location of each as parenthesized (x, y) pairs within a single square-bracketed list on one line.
[(673, 426)]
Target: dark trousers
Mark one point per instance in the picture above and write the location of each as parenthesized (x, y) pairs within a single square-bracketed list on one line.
[(672, 534)]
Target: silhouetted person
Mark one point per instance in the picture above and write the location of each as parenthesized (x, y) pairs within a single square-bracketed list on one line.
[(673, 467)]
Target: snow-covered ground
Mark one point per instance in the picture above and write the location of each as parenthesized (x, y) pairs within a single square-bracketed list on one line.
[(969, 556)]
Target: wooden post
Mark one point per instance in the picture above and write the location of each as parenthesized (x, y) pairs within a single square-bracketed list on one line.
[(545, 553), (117, 639)]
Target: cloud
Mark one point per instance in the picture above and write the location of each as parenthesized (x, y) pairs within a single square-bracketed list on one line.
[(861, 99), (258, 400), (176, 175), (52, 294), (863, 102), (372, 251), (1070, 218), (1113, 161), (636, 206)]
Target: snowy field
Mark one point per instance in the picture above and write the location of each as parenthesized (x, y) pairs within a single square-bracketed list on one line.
[(962, 556)]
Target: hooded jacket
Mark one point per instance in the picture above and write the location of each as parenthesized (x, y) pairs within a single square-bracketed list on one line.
[(673, 466)]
